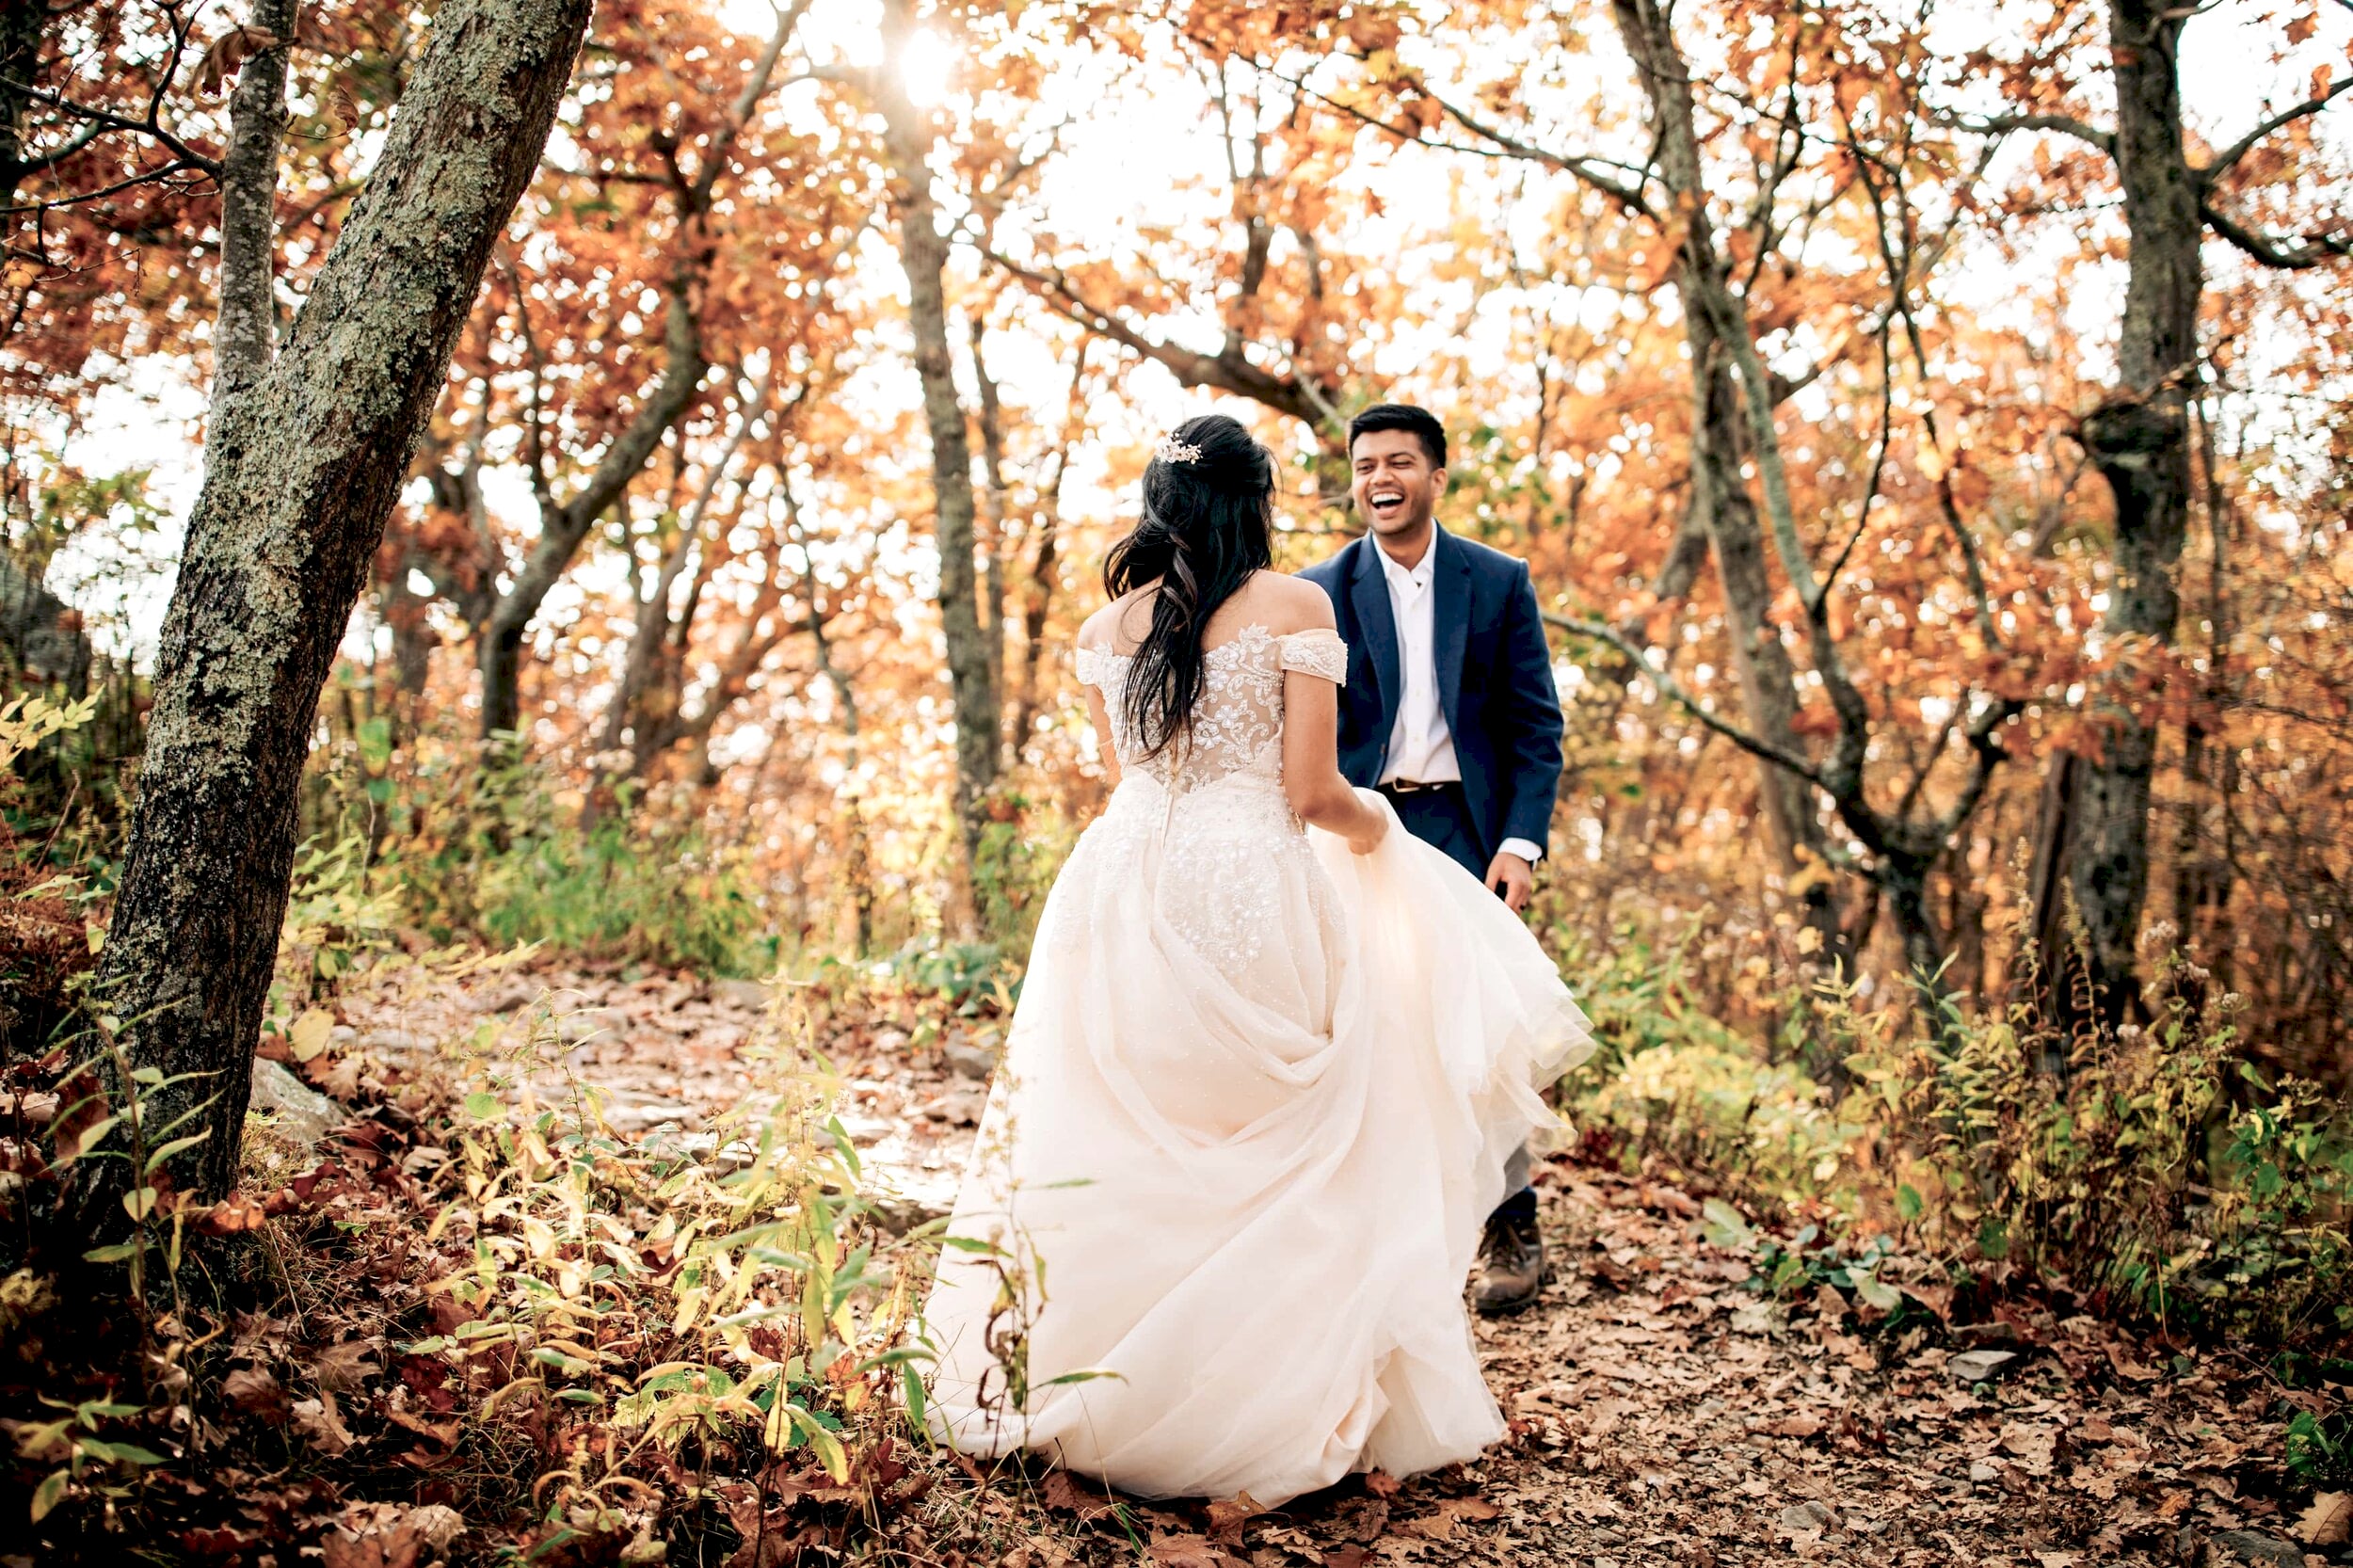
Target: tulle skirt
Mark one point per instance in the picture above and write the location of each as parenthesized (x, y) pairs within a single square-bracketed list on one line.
[(1256, 1104)]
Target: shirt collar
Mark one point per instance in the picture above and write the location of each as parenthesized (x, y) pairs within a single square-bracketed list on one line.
[(1416, 576)]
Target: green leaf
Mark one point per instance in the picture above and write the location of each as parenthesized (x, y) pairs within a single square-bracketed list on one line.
[(1726, 1226), (482, 1105), (171, 1148), (1885, 1297), (824, 1443), (115, 1254), (849, 1150), (49, 1494), (91, 1410), (1908, 1201), (122, 1453)]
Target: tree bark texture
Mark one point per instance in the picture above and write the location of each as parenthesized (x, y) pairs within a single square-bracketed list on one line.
[(923, 251), (245, 333), (999, 544), (302, 469)]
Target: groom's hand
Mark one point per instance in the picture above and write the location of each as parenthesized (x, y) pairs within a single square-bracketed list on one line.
[(1515, 878)]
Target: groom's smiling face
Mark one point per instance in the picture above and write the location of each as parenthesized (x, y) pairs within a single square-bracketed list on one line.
[(1395, 485)]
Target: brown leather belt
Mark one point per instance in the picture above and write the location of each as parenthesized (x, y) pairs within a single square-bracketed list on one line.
[(1414, 787)]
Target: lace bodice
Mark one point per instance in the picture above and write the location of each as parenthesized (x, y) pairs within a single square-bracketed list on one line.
[(1238, 724)]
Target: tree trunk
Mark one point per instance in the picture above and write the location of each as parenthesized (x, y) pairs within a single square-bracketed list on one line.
[(923, 251), (657, 630), (1037, 601), (1905, 882), (40, 634), (563, 528), (2139, 440), (245, 334), (1720, 498), (302, 469)]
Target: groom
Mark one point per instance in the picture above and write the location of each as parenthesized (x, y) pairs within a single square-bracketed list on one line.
[(1451, 711)]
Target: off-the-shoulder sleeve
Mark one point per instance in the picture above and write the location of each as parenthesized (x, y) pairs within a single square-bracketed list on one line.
[(1318, 652)]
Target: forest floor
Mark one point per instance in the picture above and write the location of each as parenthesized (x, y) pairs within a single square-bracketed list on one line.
[(1661, 1410)]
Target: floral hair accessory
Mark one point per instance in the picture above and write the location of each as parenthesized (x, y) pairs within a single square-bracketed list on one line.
[(1171, 449)]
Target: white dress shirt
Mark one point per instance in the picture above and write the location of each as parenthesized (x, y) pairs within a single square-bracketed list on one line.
[(1421, 748)]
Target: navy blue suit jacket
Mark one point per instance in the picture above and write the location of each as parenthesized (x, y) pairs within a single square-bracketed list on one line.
[(1494, 680)]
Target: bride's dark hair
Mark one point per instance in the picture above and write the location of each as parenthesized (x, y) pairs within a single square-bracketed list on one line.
[(1209, 523)]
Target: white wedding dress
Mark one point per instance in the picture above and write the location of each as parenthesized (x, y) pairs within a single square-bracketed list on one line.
[(1255, 1107)]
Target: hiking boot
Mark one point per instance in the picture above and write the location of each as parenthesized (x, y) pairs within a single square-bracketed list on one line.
[(1511, 1265)]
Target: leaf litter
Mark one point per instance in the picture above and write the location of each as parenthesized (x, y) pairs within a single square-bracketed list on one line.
[(1661, 1408)]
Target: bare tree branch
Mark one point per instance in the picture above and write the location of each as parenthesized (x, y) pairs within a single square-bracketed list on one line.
[(1674, 690), (2228, 156), (1226, 371), (2315, 249), (2002, 124)]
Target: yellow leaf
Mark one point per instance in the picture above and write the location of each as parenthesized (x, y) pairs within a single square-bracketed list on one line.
[(308, 1037)]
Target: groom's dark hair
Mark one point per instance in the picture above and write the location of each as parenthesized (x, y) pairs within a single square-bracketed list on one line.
[(1403, 416)]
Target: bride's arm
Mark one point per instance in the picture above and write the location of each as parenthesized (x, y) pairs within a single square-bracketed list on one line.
[(1311, 769), (1101, 716)]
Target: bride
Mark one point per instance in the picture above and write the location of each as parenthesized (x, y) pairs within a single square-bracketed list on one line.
[(1268, 1062)]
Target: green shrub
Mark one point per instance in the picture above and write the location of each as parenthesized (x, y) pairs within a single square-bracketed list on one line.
[(2158, 1175), (1677, 1084), (1022, 846), (468, 846)]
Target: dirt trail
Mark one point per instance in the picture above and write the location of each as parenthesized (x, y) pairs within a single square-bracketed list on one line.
[(1661, 1410)]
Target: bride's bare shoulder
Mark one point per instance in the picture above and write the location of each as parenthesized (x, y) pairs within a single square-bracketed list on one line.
[(1285, 604), (1095, 631), (1100, 631)]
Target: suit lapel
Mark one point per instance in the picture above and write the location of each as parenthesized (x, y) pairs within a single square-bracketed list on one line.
[(1369, 596), (1450, 616)]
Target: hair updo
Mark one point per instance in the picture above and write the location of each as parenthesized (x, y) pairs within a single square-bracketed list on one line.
[(1207, 524)]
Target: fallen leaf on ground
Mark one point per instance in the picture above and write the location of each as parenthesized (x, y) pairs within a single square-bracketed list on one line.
[(322, 1423), (2327, 1522), (1186, 1551), (399, 1548), (1062, 1491), (1227, 1518), (254, 1392), (341, 1368)]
